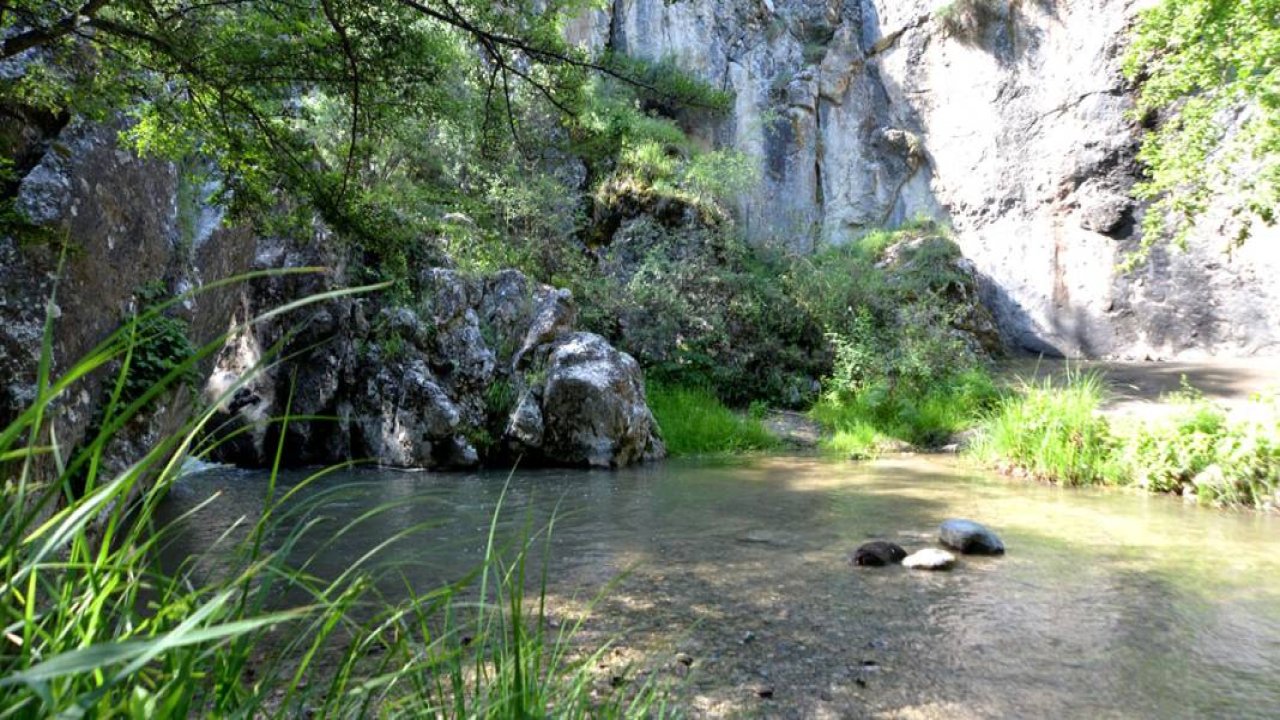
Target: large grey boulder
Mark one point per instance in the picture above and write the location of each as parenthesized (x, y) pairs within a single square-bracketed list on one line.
[(593, 405), (970, 538)]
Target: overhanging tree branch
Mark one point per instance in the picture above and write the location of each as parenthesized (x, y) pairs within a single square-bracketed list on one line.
[(38, 36)]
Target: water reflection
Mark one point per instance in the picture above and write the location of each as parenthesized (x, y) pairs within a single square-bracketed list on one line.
[(1107, 604)]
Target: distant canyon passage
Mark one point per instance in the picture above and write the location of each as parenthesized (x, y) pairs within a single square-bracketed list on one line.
[(1018, 131)]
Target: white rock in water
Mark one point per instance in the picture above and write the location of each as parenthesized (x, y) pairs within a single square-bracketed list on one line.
[(930, 559)]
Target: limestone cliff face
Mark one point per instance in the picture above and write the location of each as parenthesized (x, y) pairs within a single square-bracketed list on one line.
[(1015, 128)]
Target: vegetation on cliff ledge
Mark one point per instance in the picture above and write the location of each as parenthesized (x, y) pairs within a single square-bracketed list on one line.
[(1209, 79)]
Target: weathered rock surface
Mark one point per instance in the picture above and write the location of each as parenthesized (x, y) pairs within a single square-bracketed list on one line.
[(865, 113), (477, 367), (125, 230), (593, 405), (878, 553), (970, 538), (929, 559)]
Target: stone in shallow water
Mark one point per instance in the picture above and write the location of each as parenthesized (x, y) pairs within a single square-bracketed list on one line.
[(878, 553), (930, 559), (970, 538)]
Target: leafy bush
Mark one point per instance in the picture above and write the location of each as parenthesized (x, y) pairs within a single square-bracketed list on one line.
[(697, 307), (893, 305), (695, 422), (1198, 62), (864, 418), (1200, 449), (160, 345)]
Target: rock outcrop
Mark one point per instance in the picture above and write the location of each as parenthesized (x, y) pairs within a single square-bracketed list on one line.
[(1013, 124), (473, 368), (100, 225)]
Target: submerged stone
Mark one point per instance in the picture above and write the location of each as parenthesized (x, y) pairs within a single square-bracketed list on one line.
[(930, 559), (970, 538), (878, 553)]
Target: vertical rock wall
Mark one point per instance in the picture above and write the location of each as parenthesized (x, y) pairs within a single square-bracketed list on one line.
[(120, 220), (866, 113)]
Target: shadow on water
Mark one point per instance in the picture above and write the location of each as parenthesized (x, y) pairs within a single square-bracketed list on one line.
[(1108, 604)]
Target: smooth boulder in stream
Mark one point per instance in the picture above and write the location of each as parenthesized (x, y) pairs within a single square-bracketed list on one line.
[(970, 538), (878, 553), (930, 559)]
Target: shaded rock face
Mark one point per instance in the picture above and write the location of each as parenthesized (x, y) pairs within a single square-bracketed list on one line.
[(1015, 127), (476, 368), (124, 229)]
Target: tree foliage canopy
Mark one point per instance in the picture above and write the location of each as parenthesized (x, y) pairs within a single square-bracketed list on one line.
[(1213, 67), (378, 114)]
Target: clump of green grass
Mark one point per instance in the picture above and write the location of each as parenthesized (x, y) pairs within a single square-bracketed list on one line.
[(864, 419), (695, 422), (1054, 432)]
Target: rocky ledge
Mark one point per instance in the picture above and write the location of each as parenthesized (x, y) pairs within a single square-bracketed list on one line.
[(474, 369)]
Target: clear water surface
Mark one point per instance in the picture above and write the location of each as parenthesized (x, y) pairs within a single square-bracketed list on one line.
[(1107, 605)]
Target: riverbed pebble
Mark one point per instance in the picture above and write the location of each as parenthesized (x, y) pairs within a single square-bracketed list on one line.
[(930, 559), (878, 553), (970, 538)]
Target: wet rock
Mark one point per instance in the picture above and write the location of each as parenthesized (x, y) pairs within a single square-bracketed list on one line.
[(878, 553), (593, 405), (970, 538), (684, 659), (930, 559)]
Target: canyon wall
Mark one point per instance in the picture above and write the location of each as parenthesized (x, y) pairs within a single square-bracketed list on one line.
[(1015, 128)]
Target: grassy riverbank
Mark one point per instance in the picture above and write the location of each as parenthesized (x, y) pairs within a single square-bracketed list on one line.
[(1057, 431)]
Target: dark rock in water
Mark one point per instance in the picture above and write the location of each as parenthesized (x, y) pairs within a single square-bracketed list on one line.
[(970, 538), (878, 553)]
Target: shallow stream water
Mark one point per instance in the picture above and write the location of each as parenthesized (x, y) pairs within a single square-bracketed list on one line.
[(1107, 604)]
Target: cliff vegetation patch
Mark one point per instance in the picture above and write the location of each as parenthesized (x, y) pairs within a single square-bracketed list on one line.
[(1209, 79)]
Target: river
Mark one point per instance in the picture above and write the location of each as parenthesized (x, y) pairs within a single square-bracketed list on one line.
[(1108, 604)]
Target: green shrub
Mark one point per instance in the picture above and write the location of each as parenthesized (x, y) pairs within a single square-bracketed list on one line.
[(159, 345), (1053, 432), (695, 422), (697, 307), (1198, 64), (1201, 449)]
